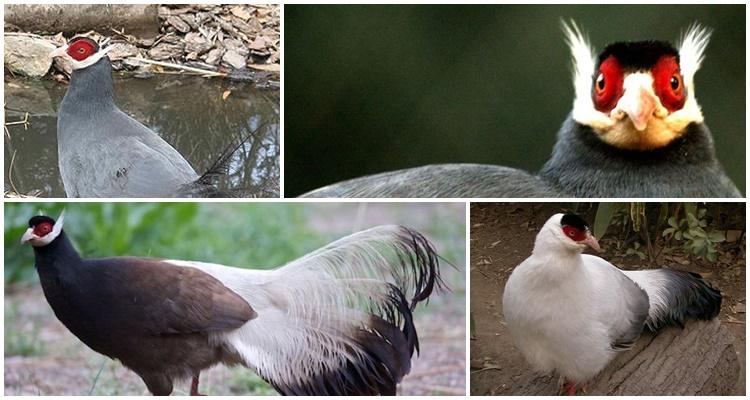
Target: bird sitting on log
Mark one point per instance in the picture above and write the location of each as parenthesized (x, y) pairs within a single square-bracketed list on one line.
[(337, 321), (104, 152), (571, 313), (635, 130)]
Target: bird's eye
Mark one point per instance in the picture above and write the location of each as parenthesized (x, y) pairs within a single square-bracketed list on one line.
[(607, 88), (42, 229), (675, 82), (668, 83), (600, 84)]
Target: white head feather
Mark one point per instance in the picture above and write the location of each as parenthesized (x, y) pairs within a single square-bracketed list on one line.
[(691, 48)]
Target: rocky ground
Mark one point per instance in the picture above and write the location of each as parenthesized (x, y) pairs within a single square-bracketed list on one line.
[(223, 38)]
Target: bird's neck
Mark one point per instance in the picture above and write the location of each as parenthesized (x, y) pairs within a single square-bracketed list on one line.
[(56, 258), (549, 252), (91, 88), (578, 144)]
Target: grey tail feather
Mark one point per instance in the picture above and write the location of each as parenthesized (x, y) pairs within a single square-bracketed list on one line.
[(221, 164), (689, 296), (206, 185)]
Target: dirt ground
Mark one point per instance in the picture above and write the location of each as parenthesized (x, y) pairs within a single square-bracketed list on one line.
[(502, 235), (59, 363)]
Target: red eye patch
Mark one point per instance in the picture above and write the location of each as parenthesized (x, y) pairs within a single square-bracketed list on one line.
[(574, 233), (42, 229), (607, 85), (81, 49), (668, 84)]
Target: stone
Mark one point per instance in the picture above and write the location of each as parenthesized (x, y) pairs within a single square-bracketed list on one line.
[(27, 55), (249, 28), (214, 56), (178, 23), (196, 43), (237, 46), (121, 51), (234, 59), (240, 12), (165, 51), (190, 20), (258, 44)]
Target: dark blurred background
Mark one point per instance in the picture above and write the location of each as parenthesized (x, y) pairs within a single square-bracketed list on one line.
[(377, 88)]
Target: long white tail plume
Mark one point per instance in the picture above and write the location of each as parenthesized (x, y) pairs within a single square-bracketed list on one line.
[(339, 320)]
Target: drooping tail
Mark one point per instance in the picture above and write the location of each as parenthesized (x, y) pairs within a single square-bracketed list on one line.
[(337, 321), (206, 186), (676, 296)]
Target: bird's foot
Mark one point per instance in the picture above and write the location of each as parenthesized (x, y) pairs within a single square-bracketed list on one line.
[(568, 389), (194, 387)]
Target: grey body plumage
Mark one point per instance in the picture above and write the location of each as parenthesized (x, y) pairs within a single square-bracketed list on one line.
[(444, 180), (103, 152)]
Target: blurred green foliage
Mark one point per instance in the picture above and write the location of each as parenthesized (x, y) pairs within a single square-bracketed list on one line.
[(383, 87)]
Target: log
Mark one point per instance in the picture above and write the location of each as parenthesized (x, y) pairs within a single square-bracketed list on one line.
[(699, 360), (137, 19)]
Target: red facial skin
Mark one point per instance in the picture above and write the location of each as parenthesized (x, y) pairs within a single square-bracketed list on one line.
[(42, 229), (574, 233), (668, 83), (608, 85), (81, 49)]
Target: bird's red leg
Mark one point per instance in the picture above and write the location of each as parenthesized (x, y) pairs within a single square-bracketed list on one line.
[(194, 387), (569, 388)]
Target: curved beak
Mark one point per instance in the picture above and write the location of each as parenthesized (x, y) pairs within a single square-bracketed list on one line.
[(638, 100), (28, 235), (59, 52), (592, 242)]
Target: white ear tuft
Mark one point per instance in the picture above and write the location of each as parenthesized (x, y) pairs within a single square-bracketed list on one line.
[(692, 46), (584, 63), (57, 228), (60, 219)]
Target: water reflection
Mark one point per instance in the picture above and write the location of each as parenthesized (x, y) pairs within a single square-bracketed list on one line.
[(188, 112)]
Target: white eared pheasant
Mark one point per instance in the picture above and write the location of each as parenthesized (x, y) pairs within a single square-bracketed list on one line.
[(570, 313), (337, 321), (104, 152)]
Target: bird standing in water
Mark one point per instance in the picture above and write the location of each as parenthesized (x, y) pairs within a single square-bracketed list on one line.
[(103, 152)]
